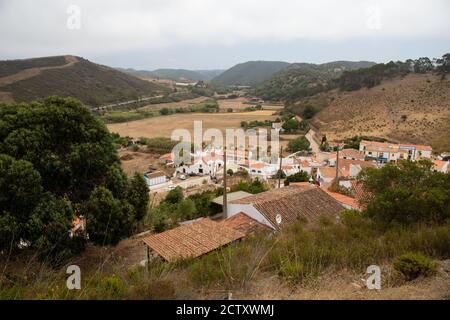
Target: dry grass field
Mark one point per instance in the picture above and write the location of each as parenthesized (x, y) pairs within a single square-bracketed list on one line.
[(163, 126), (239, 104), (414, 109), (174, 105)]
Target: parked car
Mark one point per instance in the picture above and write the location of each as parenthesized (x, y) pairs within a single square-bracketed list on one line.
[(182, 177)]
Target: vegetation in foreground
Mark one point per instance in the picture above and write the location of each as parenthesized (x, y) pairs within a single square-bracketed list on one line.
[(57, 163), (405, 243)]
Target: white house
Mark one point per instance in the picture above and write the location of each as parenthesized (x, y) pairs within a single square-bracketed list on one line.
[(391, 152), (209, 164), (441, 166), (155, 178)]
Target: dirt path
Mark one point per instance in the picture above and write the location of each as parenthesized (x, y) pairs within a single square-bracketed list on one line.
[(314, 145), (32, 72)]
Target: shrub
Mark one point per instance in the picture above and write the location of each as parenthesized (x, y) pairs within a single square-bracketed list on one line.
[(413, 265), (160, 289), (291, 271), (111, 287)]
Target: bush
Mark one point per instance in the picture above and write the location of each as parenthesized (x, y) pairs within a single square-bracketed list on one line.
[(413, 265), (160, 289), (291, 271), (298, 144)]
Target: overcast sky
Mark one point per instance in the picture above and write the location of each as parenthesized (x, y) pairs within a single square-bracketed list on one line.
[(209, 34)]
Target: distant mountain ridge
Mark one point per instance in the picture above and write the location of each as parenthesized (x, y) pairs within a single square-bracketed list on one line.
[(93, 84), (250, 73), (175, 74)]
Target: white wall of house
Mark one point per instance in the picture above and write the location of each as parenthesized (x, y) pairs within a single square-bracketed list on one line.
[(155, 181), (345, 183), (249, 210)]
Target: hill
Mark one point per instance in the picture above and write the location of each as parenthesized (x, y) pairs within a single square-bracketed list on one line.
[(250, 73), (414, 108), (94, 84), (301, 79), (175, 74)]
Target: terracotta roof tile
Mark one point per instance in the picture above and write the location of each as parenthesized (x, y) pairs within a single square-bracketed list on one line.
[(245, 224), (293, 203), (192, 240)]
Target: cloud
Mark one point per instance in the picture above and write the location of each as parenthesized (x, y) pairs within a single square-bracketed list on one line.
[(40, 27)]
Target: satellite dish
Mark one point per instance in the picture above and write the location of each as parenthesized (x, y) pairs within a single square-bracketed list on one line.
[(278, 218)]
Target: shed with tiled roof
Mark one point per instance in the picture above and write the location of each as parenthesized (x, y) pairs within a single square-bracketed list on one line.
[(192, 240)]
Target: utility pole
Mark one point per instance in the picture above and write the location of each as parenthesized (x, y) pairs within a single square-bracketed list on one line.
[(279, 170), (225, 200), (337, 166)]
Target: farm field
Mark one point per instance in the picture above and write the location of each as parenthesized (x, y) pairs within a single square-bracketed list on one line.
[(174, 105), (239, 104), (163, 126)]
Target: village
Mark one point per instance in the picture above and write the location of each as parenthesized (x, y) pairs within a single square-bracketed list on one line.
[(331, 187)]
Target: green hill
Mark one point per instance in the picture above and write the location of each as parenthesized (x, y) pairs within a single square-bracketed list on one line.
[(250, 73), (175, 74), (302, 79), (94, 84)]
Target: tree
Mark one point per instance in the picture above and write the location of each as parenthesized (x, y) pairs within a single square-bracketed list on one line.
[(301, 176), (174, 196), (55, 155), (406, 192), (291, 125), (105, 218), (279, 175), (298, 144), (186, 209), (164, 111), (138, 195), (309, 112)]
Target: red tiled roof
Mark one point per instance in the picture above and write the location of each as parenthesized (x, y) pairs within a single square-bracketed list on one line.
[(358, 189), (192, 240), (344, 199), (351, 153), (293, 203), (245, 224)]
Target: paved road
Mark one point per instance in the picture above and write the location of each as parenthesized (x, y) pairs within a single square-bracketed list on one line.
[(313, 144)]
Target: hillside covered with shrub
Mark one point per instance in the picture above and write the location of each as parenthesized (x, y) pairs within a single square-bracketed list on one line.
[(93, 84)]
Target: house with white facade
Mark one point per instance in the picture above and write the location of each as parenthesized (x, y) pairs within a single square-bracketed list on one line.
[(441, 166), (155, 178), (208, 164), (391, 152)]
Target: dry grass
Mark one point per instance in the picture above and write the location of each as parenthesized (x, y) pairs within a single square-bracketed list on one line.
[(174, 105), (164, 126), (239, 104), (423, 99)]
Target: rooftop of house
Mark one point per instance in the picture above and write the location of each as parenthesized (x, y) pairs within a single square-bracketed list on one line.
[(245, 224), (232, 196), (293, 203), (387, 146), (192, 240), (440, 164), (346, 200), (155, 174), (351, 153)]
